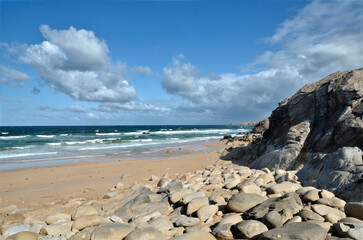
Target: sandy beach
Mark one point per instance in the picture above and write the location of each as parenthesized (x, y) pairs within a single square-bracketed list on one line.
[(33, 187)]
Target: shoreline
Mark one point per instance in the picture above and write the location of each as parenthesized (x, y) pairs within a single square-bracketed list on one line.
[(37, 186)]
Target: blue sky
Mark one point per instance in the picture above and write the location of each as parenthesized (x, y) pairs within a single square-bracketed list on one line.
[(167, 62)]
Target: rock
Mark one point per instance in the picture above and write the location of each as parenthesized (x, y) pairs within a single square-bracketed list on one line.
[(321, 127), (242, 202), (186, 199), (13, 219), (176, 195), (354, 209), (206, 212), (326, 194), (198, 234), (306, 215), (215, 199), (111, 231), (9, 208), (311, 195), (350, 230), (350, 220), (83, 211), (223, 232), (283, 188), (185, 221), (196, 203), (332, 218), (232, 183), (26, 235), (324, 210), (163, 182), (87, 221), (301, 191), (272, 219), (148, 233), (289, 202), (332, 202), (248, 187), (250, 228), (58, 217), (56, 229), (173, 185), (111, 194), (296, 231), (162, 224)]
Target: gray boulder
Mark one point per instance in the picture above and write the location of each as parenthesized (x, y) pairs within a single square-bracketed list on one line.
[(296, 231)]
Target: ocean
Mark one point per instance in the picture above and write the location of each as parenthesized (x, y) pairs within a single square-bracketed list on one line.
[(45, 145)]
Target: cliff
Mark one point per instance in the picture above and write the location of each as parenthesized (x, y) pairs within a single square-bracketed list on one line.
[(319, 130)]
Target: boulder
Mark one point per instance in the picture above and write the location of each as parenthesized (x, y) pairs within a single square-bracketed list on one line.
[(111, 231), (148, 233), (198, 234), (206, 212), (242, 202), (250, 228), (26, 235), (185, 221), (354, 209), (83, 211), (56, 229), (57, 217), (272, 219), (87, 221), (196, 203), (290, 202), (296, 231)]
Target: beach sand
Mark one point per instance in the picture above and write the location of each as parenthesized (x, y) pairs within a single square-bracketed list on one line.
[(35, 187)]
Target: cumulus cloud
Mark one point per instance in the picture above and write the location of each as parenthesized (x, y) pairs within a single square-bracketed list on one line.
[(76, 63), (74, 109), (130, 106), (8, 75), (143, 70), (323, 37)]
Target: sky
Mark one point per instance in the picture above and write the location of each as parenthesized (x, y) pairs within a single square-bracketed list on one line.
[(167, 62)]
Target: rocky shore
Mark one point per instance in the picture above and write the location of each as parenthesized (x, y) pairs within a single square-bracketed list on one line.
[(222, 201)]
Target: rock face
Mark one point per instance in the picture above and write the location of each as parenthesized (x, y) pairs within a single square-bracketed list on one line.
[(320, 127)]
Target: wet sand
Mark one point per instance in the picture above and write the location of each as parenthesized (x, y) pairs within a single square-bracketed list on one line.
[(34, 187)]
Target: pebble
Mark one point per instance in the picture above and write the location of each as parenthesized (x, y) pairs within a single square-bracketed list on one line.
[(196, 203), (272, 219), (250, 228), (111, 231), (354, 209), (242, 202), (58, 217), (83, 211), (87, 221)]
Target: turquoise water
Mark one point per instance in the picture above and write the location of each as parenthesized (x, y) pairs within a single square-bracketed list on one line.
[(28, 146)]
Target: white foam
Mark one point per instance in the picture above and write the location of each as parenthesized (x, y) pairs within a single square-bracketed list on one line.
[(63, 135), (141, 140), (54, 144), (45, 136), (26, 155), (108, 134), (4, 133), (13, 137), (73, 143)]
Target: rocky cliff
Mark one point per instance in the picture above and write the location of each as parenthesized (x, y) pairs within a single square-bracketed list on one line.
[(319, 130)]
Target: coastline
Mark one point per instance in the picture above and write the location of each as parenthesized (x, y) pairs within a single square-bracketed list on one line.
[(37, 186)]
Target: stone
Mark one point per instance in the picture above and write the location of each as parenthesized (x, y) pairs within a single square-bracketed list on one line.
[(206, 212), (350, 220), (332, 202), (83, 211), (301, 191), (186, 199), (223, 232), (354, 209), (283, 188), (272, 219), (350, 230), (26, 235), (242, 202), (148, 233), (232, 183), (296, 231), (13, 219), (332, 218), (324, 210), (185, 221), (176, 195), (110, 195), (173, 185), (196, 203), (87, 221), (306, 215), (249, 187), (162, 224), (326, 194), (290, 202), (196, 235), (56, 229), (9, 208), (111, 231), (58, 217), (250, 228), (215, 199), (311, 195)]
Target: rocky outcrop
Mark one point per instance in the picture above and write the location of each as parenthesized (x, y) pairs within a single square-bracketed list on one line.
[(319, 129)]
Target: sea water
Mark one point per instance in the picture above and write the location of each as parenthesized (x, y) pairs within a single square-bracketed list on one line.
[(42, 145)]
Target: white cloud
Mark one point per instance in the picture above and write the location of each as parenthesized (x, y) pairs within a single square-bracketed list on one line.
[(8, 75), (324, 37), (76, 63), (144, 70)]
